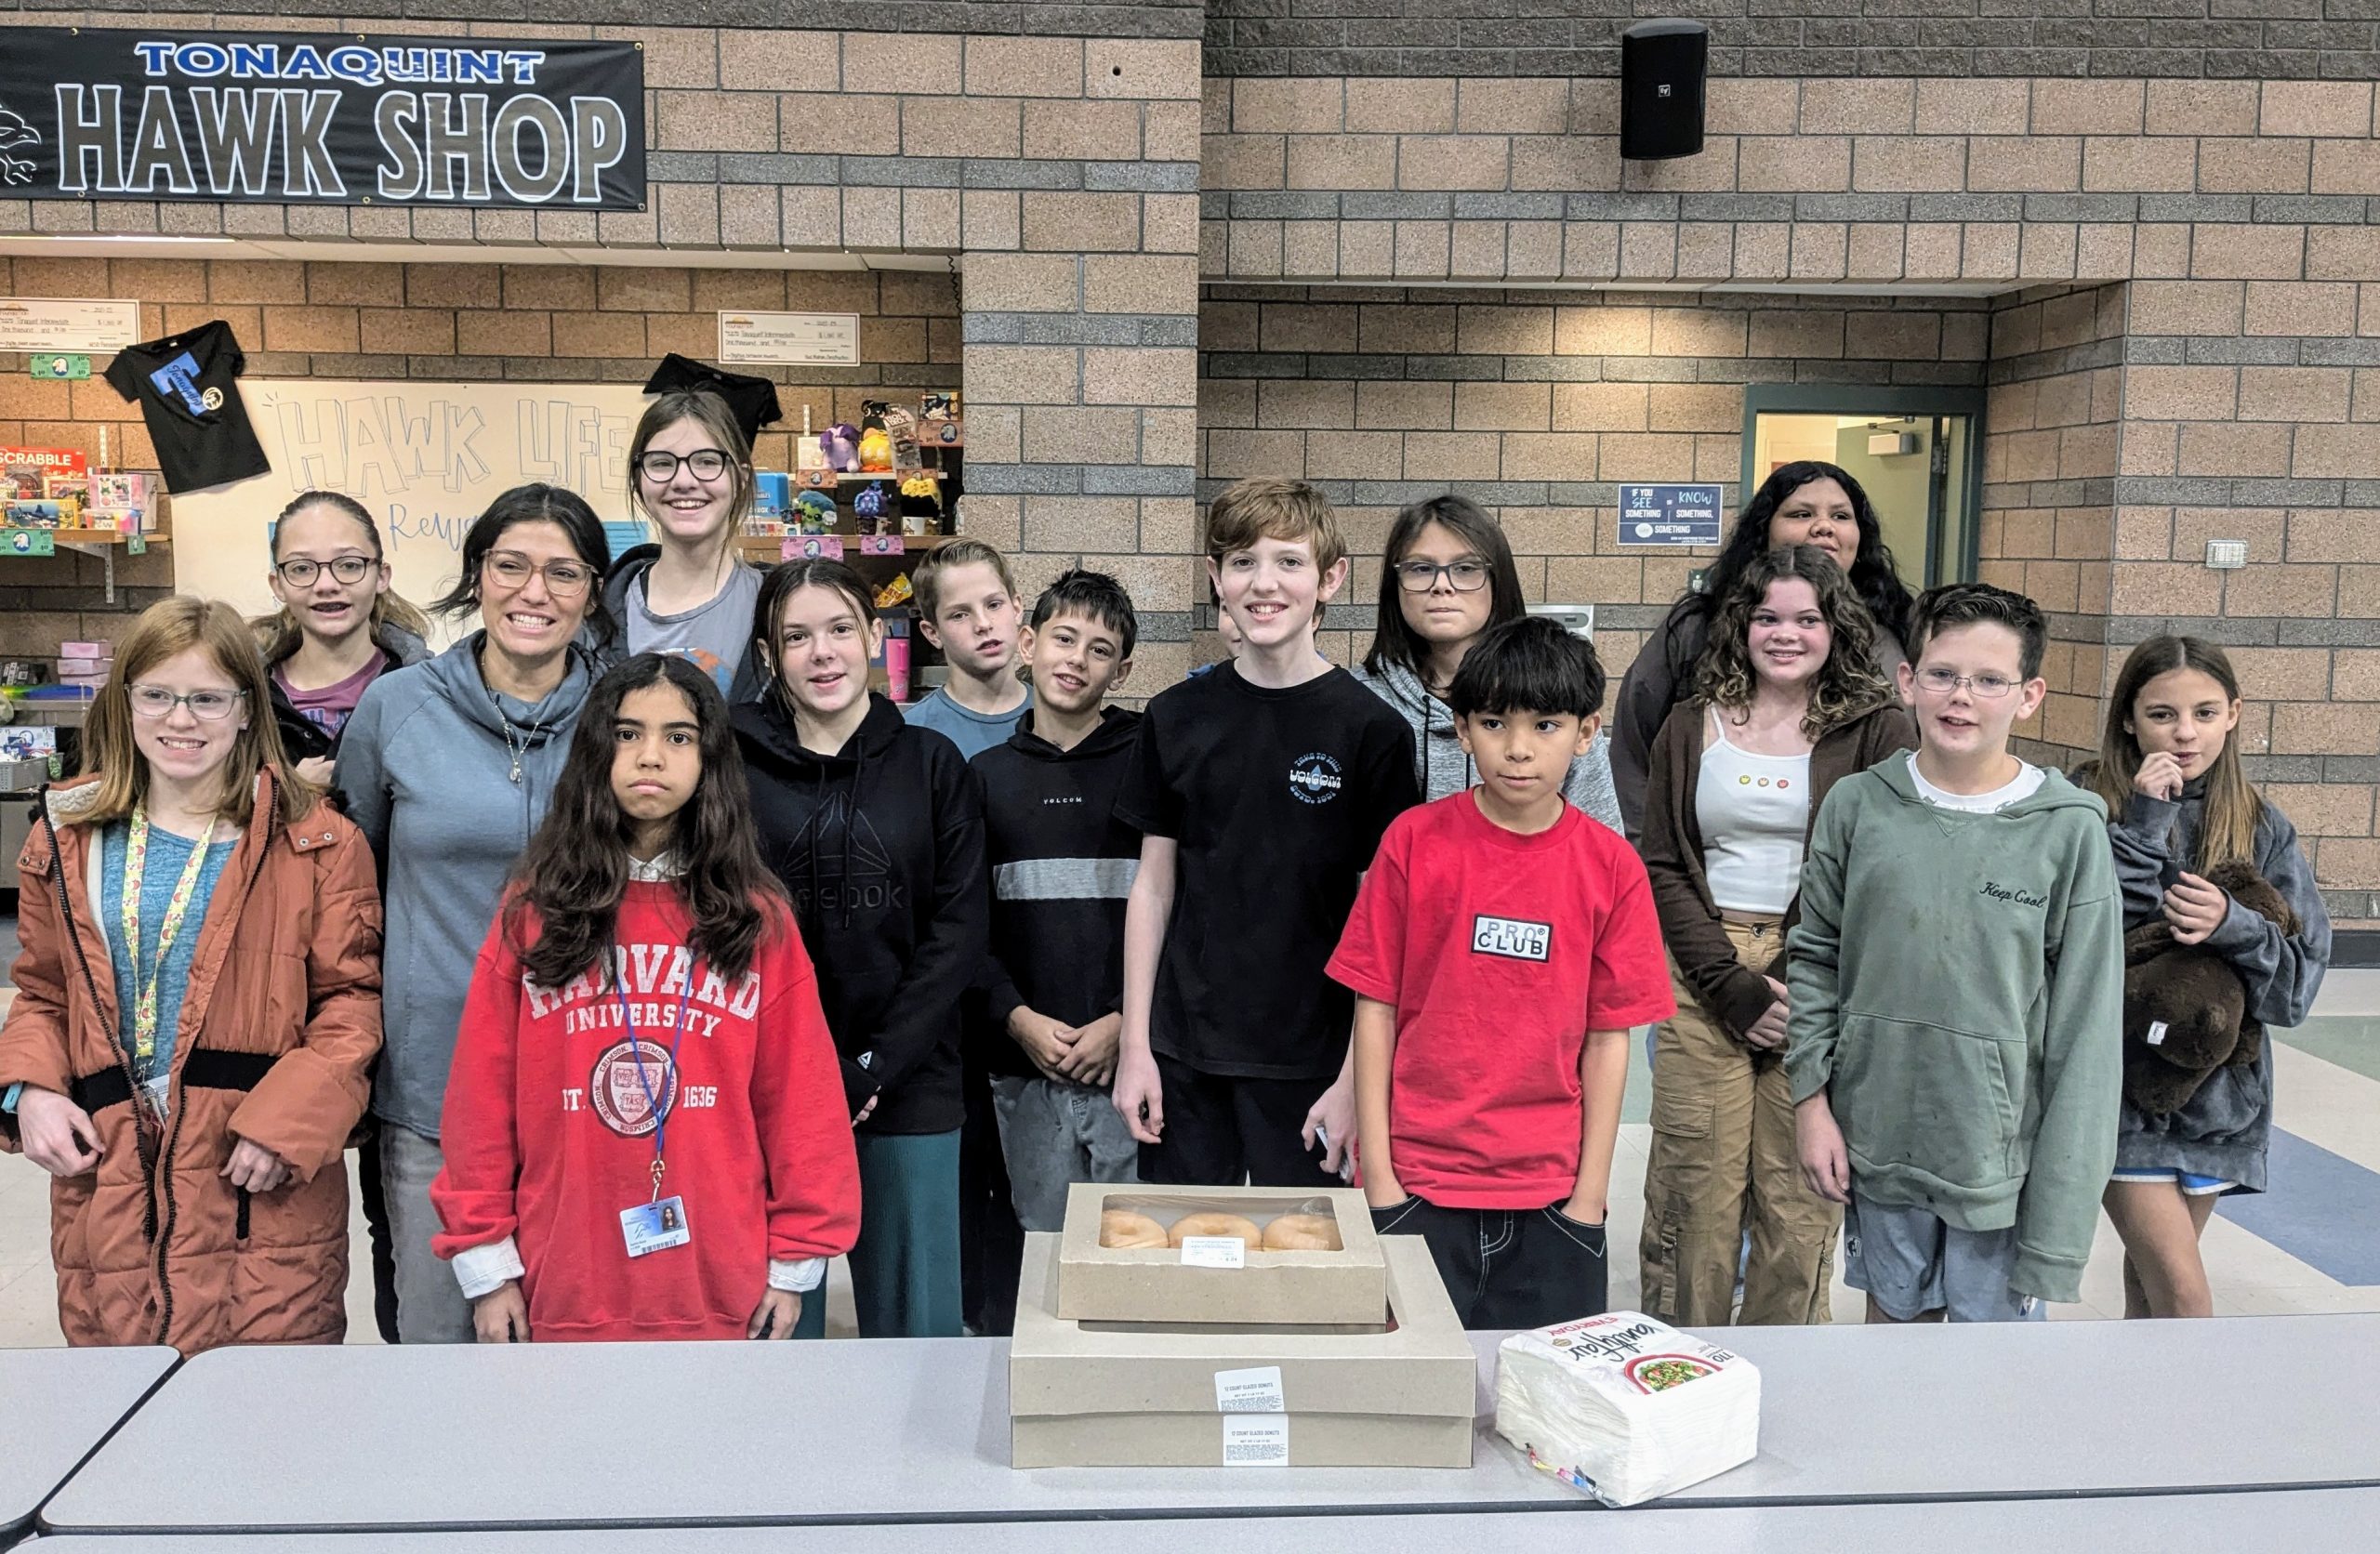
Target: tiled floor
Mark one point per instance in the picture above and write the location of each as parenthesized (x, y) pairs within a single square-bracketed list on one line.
[(2319, 1221)]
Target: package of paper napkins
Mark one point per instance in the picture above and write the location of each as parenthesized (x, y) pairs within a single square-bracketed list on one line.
[(1625, 1407)]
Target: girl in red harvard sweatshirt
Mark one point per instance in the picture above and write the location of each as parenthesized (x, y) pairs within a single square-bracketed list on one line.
[(644, 1125)]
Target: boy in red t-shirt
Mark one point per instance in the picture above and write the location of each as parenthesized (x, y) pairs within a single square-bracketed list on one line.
[(1503, 945)]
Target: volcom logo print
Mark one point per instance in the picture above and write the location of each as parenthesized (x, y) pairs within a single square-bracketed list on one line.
[(1512, 938), (1315, 778)]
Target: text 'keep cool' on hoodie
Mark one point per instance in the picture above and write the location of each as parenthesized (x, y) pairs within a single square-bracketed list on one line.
[(1957, 987), (425, 769), (1062, 867), (551, 1117), (1443, 768), (881, 847)]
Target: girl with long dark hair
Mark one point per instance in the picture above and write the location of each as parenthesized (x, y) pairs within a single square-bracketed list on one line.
[(693, 1188), (1787, 702), (1807, 502), (1447, 577), (2181, 810), (875, 827), (449, 767)]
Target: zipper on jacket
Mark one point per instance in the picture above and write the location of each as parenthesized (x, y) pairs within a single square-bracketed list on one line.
[(173, 1128)]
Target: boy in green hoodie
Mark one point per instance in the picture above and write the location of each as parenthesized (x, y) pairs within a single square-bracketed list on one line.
[(1955, 1018)]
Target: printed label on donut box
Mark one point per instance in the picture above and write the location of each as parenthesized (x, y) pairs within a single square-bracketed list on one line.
[(1213, 1251)]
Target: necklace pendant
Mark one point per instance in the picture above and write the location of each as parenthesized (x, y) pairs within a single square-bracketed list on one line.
[(516, 772)]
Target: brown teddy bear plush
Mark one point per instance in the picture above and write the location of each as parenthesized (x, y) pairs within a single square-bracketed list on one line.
[(2185, 1010)]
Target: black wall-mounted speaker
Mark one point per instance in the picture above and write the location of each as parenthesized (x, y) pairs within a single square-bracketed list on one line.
[(1661, 90)]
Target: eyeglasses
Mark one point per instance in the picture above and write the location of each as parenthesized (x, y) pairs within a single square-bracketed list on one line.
[(300, 573), (660, 467), (1420, 577), (1942, 682), (213, 706), (563, 579)]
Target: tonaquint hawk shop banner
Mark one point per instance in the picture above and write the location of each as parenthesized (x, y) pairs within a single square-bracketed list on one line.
[(320, 119)]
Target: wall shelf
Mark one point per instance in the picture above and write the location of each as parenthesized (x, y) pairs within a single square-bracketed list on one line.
[(103, 543)]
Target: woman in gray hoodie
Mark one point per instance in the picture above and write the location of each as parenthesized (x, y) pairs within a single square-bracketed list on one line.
[(1447, 577), (448, 766)]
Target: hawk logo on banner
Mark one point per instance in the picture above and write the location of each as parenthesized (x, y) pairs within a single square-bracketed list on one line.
[(14, 133), (344, 120)]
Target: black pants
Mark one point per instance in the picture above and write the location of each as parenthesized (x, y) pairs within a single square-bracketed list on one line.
[(1508, 1267), (375, 1228), (1222, 1131), (991, 1243)]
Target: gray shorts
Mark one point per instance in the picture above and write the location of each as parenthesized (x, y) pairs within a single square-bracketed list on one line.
[(1053, 1135), (1909, 1262)]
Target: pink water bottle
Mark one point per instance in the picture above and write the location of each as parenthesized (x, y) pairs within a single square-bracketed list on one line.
[(896, 667)]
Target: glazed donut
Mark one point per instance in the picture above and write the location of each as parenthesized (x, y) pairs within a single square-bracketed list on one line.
[(1302, 1232), (1121, 1228), (1232, 1225)]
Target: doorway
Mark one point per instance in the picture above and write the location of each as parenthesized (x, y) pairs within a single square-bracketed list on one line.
[(1914, 449)]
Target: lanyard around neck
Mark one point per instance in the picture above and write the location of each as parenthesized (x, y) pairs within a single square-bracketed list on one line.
[(636, 1055), (136, 863)]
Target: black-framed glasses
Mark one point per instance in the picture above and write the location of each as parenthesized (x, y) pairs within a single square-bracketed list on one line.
[(661, 467), (213, 706), (299, 571), (563, 579), (1942, 682), (1464, 576)]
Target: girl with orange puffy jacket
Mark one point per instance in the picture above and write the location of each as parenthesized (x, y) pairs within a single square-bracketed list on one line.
[(198, 1005)]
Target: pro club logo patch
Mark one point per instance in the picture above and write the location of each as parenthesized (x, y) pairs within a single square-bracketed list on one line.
[(1315, 778), (1512, 938), (619, 1095)]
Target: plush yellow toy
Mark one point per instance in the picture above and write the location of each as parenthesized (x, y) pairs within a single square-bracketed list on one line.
[(875, 449)]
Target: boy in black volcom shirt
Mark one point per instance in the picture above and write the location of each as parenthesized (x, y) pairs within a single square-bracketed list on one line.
[(1262, 791)]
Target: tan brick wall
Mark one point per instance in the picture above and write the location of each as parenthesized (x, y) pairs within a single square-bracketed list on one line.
[(1817, 181), (2051, 426), (549, 322), (1535, 405), (2251, 412)]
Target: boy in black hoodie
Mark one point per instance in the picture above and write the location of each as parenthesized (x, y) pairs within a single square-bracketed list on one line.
[(1062, 866)]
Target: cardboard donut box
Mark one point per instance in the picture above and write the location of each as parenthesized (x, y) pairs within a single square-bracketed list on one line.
[(1134, 1358)]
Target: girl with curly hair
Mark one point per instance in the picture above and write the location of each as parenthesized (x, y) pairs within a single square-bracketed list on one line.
[(1807, 502), (1786, 701)]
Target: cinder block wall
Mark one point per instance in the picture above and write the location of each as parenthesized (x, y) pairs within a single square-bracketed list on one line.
[(1535, 404)]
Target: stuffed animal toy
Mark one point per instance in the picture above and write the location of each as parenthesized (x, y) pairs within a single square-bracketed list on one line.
[(839, 444), (2185, 1010), (813, 513), (873, 502), (875, 449)]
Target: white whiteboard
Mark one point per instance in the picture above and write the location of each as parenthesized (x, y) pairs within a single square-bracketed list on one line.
[(426, 457)]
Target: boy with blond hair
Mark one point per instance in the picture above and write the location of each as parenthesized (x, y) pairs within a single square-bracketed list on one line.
[(1261, 793)]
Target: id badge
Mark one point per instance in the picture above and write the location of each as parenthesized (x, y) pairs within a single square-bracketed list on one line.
[(654, 1227)]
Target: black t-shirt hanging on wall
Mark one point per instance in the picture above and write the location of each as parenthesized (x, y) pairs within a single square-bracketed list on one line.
[(186, 390)]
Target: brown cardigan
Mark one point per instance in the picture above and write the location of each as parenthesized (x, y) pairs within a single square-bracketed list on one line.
[(1671, 846)]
